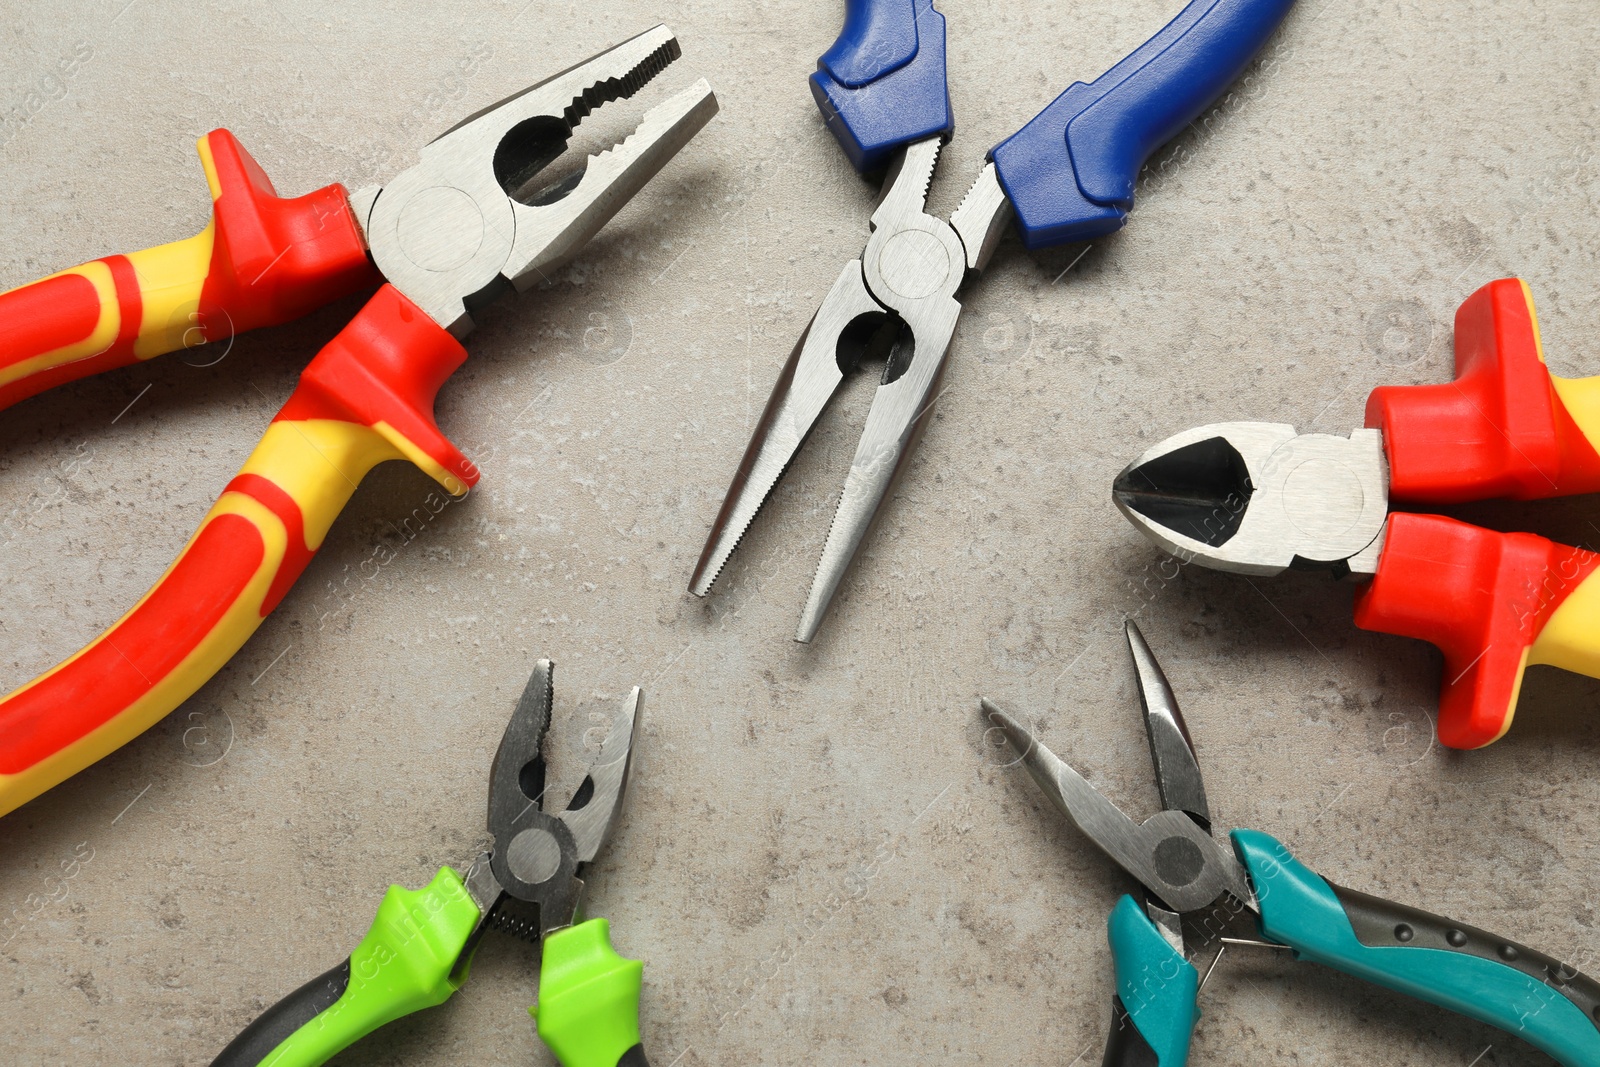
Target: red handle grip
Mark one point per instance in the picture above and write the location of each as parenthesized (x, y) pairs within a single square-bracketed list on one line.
[(1493, 603), (263, 260), (367, 397), (1500, 429)]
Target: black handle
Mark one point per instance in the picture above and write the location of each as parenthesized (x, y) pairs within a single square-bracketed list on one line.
[(1126, 1046), (256, 1041)]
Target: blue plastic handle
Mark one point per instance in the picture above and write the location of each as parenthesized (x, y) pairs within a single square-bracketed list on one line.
[(1156, 986), (1465, 973), (882, 84), (1070, 172)]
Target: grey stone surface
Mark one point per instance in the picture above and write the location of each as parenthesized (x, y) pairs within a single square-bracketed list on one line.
[(820, 862)]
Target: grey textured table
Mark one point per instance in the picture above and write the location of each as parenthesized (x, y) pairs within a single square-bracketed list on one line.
[(819, 862)]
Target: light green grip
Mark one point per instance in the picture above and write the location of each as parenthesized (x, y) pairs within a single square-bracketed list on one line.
[(588, 1010), (403, 965)]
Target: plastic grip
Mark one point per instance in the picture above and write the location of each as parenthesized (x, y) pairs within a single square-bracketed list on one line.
[(882, 84), (1468, 971), (407, 962), (1502, 428), (588, 1010), (1070, 172), (879, 37), (1155, 1009), (1493, 603), (366, 398), (262, 260)]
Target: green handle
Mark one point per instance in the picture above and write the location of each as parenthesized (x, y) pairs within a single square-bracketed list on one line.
[(404, 964), (1526, 993), (588, 1010)]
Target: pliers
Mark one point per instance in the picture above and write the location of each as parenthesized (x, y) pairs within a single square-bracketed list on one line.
[(527, 884), (1193, 882), (1257, 498), (471, 221), (1068, 175)]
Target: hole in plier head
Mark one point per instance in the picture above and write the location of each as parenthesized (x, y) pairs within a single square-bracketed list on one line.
[(523, 154), (873, 336)]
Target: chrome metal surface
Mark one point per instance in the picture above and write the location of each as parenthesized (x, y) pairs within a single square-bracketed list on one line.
[(591, 821), (1177, 861), (913, 265), (1169, 924), (906, 282), (809, 379), (538, 856), (1171, 749), (534, 855), (448, 232), (481, 885), (1299, 499), (982, 218)]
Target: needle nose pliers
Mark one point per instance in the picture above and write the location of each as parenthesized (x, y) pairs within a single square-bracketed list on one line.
[(473, 220), (1257, 498), (1068, 175), (527, 884), (1193, 881)]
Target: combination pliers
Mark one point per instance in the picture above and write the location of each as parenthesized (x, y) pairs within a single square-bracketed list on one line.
[(1258, 498), (527, 884), (1068, 175), (1193, 882), (473, 220)]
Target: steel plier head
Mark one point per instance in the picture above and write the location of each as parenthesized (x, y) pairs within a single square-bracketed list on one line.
[(529, 882), (1198, 892), (896, 303), (1172, 854), (472, 219), (1258, 498)]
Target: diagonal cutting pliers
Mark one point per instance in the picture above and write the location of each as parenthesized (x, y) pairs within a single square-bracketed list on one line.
[(471, 221), (1193, 882), (527, 884), (1068, 175), (1257, 498)]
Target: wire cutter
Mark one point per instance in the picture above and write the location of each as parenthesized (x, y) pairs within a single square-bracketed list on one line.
[(470, 222), (1068, 175), (1257, 498), (527, 884), (1191, 880)]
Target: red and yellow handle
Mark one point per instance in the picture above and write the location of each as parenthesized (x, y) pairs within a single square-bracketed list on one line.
[(262, 260), (1493, 602), (366, 398)]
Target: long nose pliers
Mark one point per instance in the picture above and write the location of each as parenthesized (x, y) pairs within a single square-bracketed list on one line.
[(474, 219), (527, 884), (1068, 175), (1258, 498), (1194, 883)]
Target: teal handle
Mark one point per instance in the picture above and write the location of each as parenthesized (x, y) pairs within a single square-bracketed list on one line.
[(1469, 971), (1155, 1009)]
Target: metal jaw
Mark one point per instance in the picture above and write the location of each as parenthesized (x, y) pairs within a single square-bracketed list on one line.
[(537, 856), (470, 221), (897, 303), (1257, 498), (1172, 853)]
